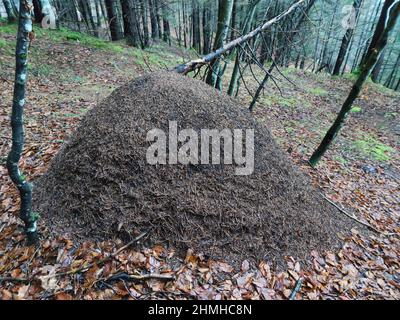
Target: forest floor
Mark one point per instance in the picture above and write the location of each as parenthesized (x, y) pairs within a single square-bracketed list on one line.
[(70, 73)]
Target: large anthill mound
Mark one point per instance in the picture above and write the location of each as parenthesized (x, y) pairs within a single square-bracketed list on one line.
[(100, 182)]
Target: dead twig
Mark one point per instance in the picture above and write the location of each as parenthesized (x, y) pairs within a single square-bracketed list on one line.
[(130, 277), (296, 289), (11, 279), (352, 216), (74, 271), (101, 262)]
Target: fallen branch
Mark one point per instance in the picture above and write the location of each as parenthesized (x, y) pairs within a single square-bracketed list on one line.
[(74, 271), (98, 263), (198, 63), (129, 277), (352, 216), (11, 279), (296, 289)]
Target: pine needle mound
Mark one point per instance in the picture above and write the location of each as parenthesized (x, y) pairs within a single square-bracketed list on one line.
[(100, 185)]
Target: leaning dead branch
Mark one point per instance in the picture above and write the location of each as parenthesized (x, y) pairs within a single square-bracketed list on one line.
[(198, 63)]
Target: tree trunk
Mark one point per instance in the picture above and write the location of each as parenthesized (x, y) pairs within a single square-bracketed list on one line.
[(37, 10), (206, 28), (380, 27), (380, 41), (114, 20), (9, 10), (196, 43), (21, 70), (224, 17), (245, 29), (143, 10), (166, 26), (153, 19), (233, 20), (158, 17), (346, 40), (377, 69), (184, 24)]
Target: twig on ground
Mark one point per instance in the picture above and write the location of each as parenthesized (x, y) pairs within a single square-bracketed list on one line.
[(129, 277), (11, 279), (79, 270), (102, 261), (352, 216), (296, 289)]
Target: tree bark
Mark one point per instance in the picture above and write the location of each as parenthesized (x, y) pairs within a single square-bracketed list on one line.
[(9, 10), (381, 38), (166, 27), (21, 71), (224, 17), (380, 27), (143, 10), (114, 20), (206, 28), (196, 43), (245, 29), (346, 40), (153, 19)]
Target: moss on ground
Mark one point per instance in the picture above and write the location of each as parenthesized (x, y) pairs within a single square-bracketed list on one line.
[(356, 109), (317, 91), (369, 146)]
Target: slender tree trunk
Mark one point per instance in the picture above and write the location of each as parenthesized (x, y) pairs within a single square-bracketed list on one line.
[(392, 74), (114, 20), (245, 29), (324, 52), (397, 85), (9, 10), (346, 40), (196, 43), (98, 17), (380, 27), (158, 17), (233, 21), (224, 17), (143, 10), (184, 24), (166, 26), (377, 69), (381, 38), (153, 19), (21, 70), (37, 10), (206, 28)]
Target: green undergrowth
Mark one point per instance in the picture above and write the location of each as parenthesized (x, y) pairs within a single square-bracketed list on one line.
[(278, 100), (157, 56), (356, 109), (369, 146), (317, 91)]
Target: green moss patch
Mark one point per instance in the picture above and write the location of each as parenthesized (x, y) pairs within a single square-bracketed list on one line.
[(369, 146)]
